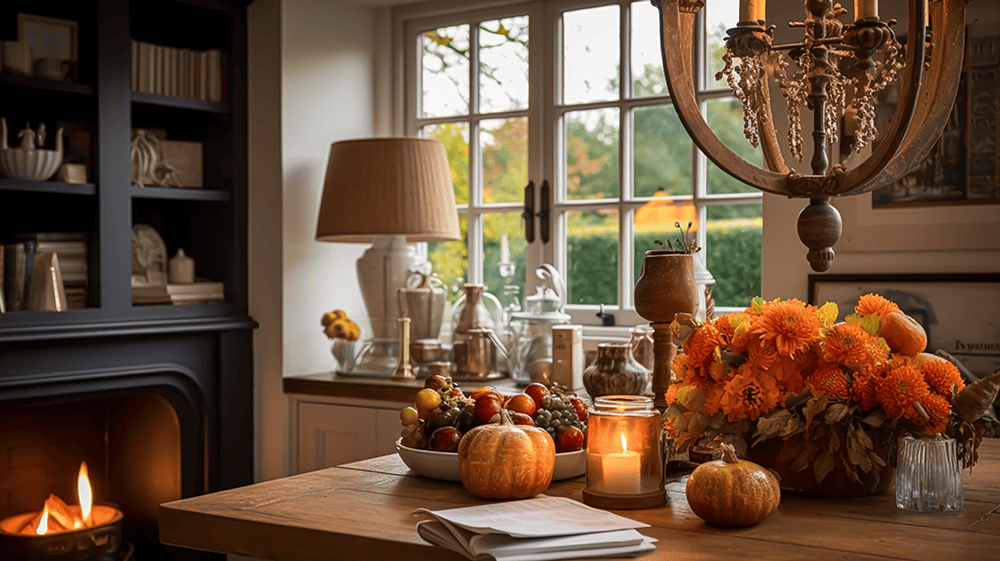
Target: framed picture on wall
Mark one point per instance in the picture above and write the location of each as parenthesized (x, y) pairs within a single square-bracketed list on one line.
[(959, 312), (963, 166)]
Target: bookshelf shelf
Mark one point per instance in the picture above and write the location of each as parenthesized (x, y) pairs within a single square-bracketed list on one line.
[(39, 83), (178, 194), (180, 103), (54, 187)]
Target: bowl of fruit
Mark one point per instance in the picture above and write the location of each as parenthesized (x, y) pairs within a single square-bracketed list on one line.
[(441, 413)]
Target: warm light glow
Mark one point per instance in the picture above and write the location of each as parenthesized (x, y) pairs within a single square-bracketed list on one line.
[(43, 524), (624, 444), (84, 492)]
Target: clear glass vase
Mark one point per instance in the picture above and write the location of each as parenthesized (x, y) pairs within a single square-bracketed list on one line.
[(928, 476)]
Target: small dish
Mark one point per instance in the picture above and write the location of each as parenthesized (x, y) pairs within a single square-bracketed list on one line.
[(444, 465)]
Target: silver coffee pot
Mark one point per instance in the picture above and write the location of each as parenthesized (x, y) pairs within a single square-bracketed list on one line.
[(529, 355)]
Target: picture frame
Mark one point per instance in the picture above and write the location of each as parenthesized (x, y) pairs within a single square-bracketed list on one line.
[(49, 38), (959, 312)]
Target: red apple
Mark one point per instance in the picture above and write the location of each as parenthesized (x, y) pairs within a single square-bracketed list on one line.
[(537, 391)]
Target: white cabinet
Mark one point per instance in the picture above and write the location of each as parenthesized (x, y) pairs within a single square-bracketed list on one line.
[(330, 434)]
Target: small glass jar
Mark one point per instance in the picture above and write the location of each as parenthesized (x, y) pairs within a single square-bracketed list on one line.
[(624, 454), (928, 475)]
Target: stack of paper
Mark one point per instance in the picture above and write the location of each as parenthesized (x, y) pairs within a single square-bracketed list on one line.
[(538, 529)]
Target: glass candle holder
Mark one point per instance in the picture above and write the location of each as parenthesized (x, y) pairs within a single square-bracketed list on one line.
[(928, 475), (624, 454)]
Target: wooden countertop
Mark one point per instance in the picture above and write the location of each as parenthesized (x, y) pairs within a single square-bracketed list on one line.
[(364, 510), (329, 384)]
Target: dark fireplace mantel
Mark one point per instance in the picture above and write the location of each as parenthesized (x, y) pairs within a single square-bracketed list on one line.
[(202, 367)]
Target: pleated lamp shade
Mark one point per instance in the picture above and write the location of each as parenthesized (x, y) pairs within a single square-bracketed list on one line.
[(387, 186)]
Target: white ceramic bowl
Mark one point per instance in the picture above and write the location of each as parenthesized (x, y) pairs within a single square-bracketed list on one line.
[(444, 465), (33, 165)]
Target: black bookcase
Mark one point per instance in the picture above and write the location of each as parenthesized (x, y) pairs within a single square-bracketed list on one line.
[(198, 356)]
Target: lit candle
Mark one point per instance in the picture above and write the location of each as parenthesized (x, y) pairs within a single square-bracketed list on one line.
[(504, 249), (752, 10), (865, 9), (620, 471)]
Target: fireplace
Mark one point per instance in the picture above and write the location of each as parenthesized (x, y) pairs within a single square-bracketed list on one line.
[(156, 417)]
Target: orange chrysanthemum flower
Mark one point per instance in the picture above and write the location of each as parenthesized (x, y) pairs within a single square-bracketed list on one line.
[(789, 377), (938, 409), (699, 345), (671, 395), (747, 396), (725, 324), (874, 304), (745, 334), (762, 354), (830, 379), (865, 385), (942, 376), (791, 325), (713, 403), (845, 344), (899, 390)]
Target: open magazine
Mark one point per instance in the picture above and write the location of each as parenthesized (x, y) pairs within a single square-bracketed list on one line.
[(537, 529)]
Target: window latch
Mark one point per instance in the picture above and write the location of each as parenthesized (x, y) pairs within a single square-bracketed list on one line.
[(543, 214), (529, 212)]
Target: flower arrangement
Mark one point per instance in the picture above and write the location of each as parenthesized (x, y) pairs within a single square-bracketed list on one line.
[(828, 396), (336, 325)]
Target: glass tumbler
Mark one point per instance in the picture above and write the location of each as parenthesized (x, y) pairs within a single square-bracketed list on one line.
[(928, 475)]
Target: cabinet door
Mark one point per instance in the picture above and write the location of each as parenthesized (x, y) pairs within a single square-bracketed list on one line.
[(331, 435), (388, 431)]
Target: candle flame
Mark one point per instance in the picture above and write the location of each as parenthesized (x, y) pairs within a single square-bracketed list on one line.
[(624, 444), (84, 492), (43, 524)]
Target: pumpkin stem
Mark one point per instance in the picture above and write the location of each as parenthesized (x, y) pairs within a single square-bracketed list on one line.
[(505, 417), (728, 453)]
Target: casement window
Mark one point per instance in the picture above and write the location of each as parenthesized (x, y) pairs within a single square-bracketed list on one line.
[(570, 95)]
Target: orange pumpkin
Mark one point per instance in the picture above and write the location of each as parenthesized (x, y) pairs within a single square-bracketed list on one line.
[(731, 492), (903, 334), (506, 461)]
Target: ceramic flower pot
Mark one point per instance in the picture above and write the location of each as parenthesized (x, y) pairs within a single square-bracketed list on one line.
[(615, 372)]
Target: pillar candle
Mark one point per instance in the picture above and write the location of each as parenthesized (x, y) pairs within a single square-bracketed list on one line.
[(504, 249), (620, 471), (752, 10), (865, 8)]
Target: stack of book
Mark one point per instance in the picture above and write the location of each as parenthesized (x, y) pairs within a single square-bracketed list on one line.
[(161, 70), (537, 529), (201, 292), (18, 263)]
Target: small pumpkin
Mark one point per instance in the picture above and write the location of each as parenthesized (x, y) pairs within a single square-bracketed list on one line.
[(506, 461), (903, 334), (731, 492)]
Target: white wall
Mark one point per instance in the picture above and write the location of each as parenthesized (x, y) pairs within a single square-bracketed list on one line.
[(327, 95), (942, 239)]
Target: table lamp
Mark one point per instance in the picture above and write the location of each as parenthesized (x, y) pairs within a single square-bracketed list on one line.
[(387, 192)]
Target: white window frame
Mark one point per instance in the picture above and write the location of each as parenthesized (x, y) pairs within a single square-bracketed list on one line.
[(546, 131)]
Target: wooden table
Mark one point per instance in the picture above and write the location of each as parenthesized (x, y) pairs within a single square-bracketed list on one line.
[(364, 511)]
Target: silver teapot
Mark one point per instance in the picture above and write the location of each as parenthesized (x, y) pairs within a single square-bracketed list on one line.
[(530, 350)]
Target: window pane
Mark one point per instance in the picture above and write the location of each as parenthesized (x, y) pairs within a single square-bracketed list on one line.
[(455, 137), (592, 154), (505, 159), (656, 220), (503, 64), (592, 256), (450, 260), (733, 253), (647, 62), (445, 71), (720, 15), (510, 289), (591, 54), (662, 152), (725, 117)]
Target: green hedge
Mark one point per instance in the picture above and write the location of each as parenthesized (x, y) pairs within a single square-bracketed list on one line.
[(733, 257)]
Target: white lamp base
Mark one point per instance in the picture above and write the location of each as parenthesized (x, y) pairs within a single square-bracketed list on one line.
[(382, 271)]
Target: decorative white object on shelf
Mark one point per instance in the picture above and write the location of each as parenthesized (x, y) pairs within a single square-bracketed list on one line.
[(181, 268), (149, 257), (149, 167), (30, 161), (72, 173)]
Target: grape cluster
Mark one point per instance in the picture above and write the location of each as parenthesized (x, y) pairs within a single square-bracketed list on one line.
[(556, 413)]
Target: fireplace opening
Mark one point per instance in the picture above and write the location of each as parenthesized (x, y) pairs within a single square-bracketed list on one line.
[(132, 445)]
